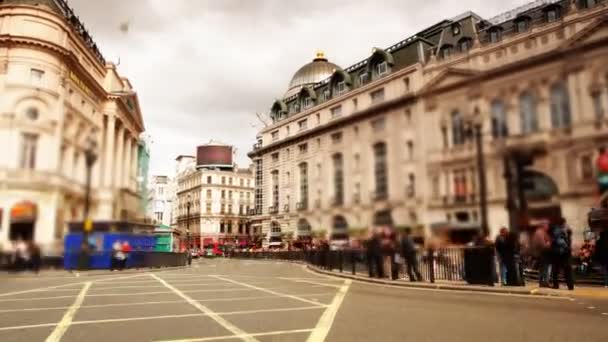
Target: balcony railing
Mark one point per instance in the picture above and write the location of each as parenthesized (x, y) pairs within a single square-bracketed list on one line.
[(257, 146), (379, 195), (273, 209), (301, 206)]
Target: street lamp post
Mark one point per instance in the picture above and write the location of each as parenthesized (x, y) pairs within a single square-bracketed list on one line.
[(90, 154), (188, 204), (476, 131)]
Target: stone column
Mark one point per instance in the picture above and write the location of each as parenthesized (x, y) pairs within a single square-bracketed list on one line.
[(109, 151), (126, 175), (120, 151)]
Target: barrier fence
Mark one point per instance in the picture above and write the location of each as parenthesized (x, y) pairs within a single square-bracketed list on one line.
[(475, 265)]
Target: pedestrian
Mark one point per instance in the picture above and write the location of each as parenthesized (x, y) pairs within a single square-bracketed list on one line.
[(541, 249), (374, 260), (117, 256), (601, 254), (410, 256), (35, 256), (511, 259), (22, 256), (501, 250), (561, 253), (126, 250)]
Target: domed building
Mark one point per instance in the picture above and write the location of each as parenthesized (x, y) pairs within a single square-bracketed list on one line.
[(316, 71)]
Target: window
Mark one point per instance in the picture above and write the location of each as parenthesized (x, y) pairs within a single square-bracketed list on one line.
[(499, 120), (521, 24), (355, 104), (408, 116), (208, 207), (340, 88), (377, 96), (460, 186), (560, 106), (465, 44), (275, 157), (288, 130), (458, 131), (29, 145), (318, 115), (446, 51), (209, 194), (587, 3), (338, 179), (598, 107), (411, 187), (318, 143), (380, 171), (230, 195), (363, 77), (259, 183), (241, 182), (336, 138), (495, 35), (223, 209), (248, 196), (326, 94), (455, 29), (378, 124), (357, 161), (274, 177), (274, 135), (229, 208), (552, 14), (223, 194), (36, 76), (586, 167), (160, 191), (229, 227), (209, 181), (303, 124), (382, 68), (307, 102), (230, 180), (410, 150), (435, 187), (336, 112), (32, 113), (406, 82), (303, 148), (528, 117), (287, 154), (295, 107), (223, 180), (304, 185)]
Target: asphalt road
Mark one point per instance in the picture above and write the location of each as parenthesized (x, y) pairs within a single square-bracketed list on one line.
[(231, 300)]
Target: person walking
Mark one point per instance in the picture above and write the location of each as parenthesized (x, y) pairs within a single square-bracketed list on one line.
[(501, 250), (374, 259), (601, 254), (409, 254), (511, 259), (561, 253), (541, 247)]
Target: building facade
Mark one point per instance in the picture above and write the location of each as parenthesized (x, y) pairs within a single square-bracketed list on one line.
[(160, 208), (391, 137), (61, 101), (220, 200)]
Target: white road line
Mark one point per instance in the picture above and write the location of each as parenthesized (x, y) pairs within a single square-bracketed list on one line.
[(29, 326), (591, 307), (94, 306), (605, 313), (65, 322), (268, 290), (227, 337), (220, 320), (312, 282), (35, 298), (127, 287), (326, 320)]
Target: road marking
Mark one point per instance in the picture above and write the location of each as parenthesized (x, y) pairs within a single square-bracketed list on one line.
[(326, 320), (94, 306), (605, 313), (229, 326), (65, 322), (127, 287), (30, 326), (591, 307), (268, 290), (35, 298), (227, 337), (312, 282)]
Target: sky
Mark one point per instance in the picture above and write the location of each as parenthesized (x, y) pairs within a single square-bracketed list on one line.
[(203, 68)]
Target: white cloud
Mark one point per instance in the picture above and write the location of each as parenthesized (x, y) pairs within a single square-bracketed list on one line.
[(204, 68)]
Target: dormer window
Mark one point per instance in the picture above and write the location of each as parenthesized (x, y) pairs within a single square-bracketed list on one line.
[(307, 102), (495, 35), (465, 44), (363, 77), (446, 51), (583, 4), (552, 14), (455, 29), (522, 24), (296, 107), (326, 95), (382, 68), (340, 88)]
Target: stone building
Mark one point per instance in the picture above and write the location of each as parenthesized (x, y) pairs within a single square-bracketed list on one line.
[(61, 100), (391, 136)]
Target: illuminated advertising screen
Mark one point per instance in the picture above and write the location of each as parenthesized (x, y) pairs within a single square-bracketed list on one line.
[(210, 155)]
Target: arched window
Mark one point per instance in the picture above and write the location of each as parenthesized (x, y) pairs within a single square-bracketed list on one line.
[(303, 204), (338, 162), (339, 228), (458, 133), (363, 77), (500, 128), (560, 106), (340, 82), (278, 111), (446, 51), (465, 44), (527, 113), (380, 63), (380, 171)]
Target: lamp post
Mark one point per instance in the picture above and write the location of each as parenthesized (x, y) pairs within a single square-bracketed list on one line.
[(90, 154), (188, 204), (476, 131)]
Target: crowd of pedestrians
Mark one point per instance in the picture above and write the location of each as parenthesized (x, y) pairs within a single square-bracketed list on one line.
[(24, 255)]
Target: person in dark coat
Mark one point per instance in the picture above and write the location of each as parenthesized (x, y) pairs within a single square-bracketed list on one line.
[(409, 253), (501, 250), (561, 254), (374, 258), (511, 259), (601, 254)]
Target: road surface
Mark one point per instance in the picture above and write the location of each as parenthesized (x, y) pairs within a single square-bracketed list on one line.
[(236, 300)]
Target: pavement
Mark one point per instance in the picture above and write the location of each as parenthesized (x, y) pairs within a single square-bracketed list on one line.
[(241, 300)]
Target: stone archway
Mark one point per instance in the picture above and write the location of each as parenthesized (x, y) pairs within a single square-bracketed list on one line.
[(23, 218), (539, 191), (304, 231), (339, 228)]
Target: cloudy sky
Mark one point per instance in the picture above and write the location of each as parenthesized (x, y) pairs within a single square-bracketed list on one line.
[(203, 68)]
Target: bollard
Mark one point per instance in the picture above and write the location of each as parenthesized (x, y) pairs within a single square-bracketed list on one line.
[(353, 261), (341, 261), (431, 261)]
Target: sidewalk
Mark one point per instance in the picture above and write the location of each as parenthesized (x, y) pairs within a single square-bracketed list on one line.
[(532, 289)]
